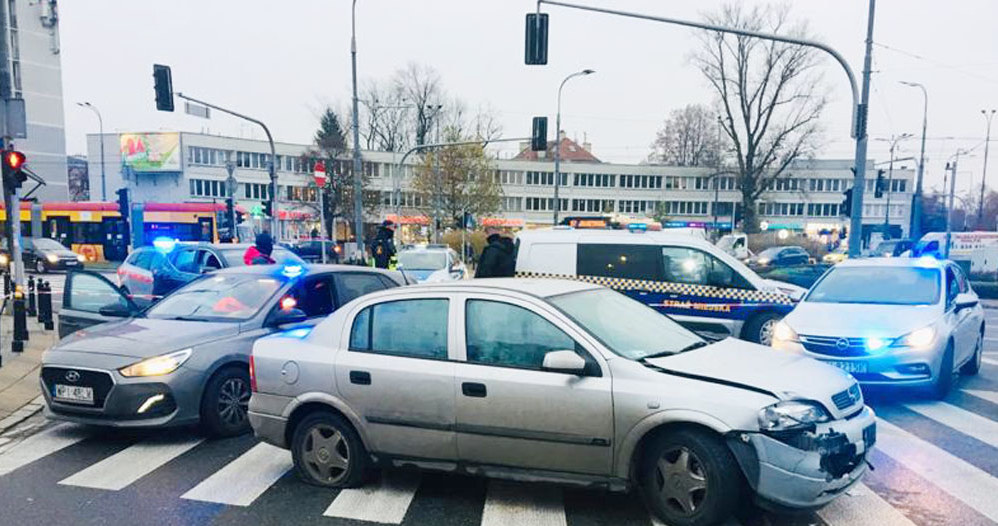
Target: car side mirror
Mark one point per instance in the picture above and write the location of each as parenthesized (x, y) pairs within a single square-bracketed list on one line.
[(116, 310), (563, 362), (288, 316), (965, 300)]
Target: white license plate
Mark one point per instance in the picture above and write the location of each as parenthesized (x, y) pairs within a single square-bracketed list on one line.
[(849, 367), (74, 393)]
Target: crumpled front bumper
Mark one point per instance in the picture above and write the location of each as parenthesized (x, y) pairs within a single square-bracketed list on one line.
[(806, 470)]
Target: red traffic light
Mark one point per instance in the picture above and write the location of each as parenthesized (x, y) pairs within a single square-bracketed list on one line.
[(13, 160)]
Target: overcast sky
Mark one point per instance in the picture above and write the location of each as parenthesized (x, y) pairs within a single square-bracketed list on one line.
[(282, 62)]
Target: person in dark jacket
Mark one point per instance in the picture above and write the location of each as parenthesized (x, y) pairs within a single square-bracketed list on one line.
[(497, 259), (259, 253), (383, 246)]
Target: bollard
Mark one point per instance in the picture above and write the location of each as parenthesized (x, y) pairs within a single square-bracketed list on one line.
[(40, 293), (46, 307), (6, 284), (32, 298), (20, 323)]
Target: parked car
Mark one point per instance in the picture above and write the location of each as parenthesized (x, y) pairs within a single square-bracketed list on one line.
[(310, 250), (897, 322), (431, 263), (44, 255), (801, 275), (780, 257), (149, 273), (689, 279), (578, 384), (892, 248), (184, 360)]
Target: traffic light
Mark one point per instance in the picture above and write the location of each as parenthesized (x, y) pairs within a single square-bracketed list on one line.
[(539, 134), (845, 208), (878, 190), (163, 84), (268, 209), (123, 206), (13, 169), (536, 39)]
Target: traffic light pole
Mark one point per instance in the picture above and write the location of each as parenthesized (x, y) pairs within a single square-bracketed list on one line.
[(275, 222)]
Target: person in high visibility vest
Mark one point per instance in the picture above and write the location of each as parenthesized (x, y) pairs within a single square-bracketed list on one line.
[(383, 246)]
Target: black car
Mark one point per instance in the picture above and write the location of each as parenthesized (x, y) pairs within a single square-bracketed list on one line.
[(780, 257), (892, 248), (43, 255), (311, 250)]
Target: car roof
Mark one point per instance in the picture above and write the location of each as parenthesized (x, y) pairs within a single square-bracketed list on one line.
[(221, 246), (308, 270), (543, 288), (922, 262), (613, 237), (425, 248)]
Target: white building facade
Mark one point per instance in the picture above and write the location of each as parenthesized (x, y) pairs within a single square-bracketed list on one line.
[(807, 199)]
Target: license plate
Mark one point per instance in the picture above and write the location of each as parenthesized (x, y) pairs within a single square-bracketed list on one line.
[(849, 367), (74, 393), (870, 436)]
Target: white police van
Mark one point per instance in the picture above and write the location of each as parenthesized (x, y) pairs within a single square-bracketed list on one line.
[(691, 280)]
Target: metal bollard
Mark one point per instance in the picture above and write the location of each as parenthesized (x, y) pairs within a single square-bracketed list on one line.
[(20, 323), (32, 299), (6, 283), (46, 307), (40, 293)]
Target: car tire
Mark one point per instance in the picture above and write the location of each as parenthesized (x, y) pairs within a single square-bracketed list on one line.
[(690, 478), (327, 451), (759, 328), (973, 366), (944, 379), (225, 403), (40, 267)]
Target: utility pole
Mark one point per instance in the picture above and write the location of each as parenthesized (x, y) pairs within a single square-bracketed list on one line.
[(557, 141), (100, 126), (230, 187), (11, 199), (915, 229), (717, 182), (984, 173), (949, 207), (358, 169), (862, 111)]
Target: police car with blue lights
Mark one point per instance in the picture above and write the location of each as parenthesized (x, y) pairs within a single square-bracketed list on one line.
[(687, 278), (185, 360)]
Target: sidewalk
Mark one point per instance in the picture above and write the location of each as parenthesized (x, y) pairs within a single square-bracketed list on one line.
[(19, 392)]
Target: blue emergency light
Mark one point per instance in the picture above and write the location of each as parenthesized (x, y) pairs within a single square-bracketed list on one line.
[(292, 271), (637, 227), (164, 244), (299, 333)]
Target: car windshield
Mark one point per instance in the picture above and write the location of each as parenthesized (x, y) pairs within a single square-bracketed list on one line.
[(626, 327), (234, 256), (770, 252), (45, 243), (887, 285), (229, 297), (422, 260)]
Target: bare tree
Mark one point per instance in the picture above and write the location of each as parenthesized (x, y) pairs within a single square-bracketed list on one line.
[(770, 96), (387, 116), (423, 89), (688, 138)]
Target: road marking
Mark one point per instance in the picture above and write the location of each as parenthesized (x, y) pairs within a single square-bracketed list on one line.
[(523, 505), (244, 479), (956, 477), (966, 422), (40, 445), (990, 396), (130, 464), (989, 361), (860, 506), (385, 502)]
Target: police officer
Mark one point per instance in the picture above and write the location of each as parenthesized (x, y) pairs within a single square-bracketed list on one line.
[(383, 246)]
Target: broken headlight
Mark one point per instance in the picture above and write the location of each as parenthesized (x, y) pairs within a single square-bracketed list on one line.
[(789, 415)]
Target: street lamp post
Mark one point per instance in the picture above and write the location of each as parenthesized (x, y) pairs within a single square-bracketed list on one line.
[(915, 229), (100, 124), (984, 173), (890, 180), (557, 141), (358, 203)]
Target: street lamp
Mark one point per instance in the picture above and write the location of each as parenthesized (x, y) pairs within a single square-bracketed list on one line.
[(890, 179), (100, 124), (557, 141), (984, 174), (358, 203), (915, 229)]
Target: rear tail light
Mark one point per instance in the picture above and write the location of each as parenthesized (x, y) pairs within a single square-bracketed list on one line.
[(252, 371)]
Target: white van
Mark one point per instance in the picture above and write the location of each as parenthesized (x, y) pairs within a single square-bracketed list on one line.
[(691, 280)]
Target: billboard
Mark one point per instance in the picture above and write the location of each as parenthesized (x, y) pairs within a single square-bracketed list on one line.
[(151, 152)]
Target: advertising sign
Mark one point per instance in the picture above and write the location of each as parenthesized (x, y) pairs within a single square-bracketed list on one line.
[(151, 152)]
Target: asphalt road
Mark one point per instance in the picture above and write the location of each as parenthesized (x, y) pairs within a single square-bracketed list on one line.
[(936, 464)]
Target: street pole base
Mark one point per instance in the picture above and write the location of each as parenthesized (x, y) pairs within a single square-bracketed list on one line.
[(17, 346)]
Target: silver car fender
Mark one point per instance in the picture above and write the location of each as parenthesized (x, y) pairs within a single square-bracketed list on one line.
[(334, 403), (626, 450)]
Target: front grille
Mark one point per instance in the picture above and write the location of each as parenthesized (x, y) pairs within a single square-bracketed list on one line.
[(845, 399), (830, 345), (100, 381)]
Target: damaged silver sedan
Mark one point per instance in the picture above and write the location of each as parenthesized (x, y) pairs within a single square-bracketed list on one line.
[(558, 381)]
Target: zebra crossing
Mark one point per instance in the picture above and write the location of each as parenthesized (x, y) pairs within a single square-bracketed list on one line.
[(934, 463)]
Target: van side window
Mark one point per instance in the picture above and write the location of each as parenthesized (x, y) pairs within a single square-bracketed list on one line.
[(694, 267), (619, 261)]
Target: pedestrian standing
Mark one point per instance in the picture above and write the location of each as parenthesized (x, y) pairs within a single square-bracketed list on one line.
[(497, 259), (383, 246), (259, 253)]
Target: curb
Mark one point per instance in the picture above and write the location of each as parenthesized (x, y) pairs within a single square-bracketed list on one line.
[(22, 414)]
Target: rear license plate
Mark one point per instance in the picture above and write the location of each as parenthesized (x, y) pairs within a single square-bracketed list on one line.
[(849, 367), (870, 436), (74, 393)]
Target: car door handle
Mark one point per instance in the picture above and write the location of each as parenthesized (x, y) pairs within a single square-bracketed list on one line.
[(360, 377), (474, 390)]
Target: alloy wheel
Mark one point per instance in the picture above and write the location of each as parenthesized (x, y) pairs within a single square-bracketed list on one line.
[(325, 454), (681, 480), (233, 402), (766, 332)]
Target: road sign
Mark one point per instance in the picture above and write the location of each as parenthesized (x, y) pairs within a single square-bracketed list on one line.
[(197, 110), (320, 174)]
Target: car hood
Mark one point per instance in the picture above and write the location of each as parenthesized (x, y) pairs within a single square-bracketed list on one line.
[(144, 337), (795, 292), (748, 365), (419, 275), (64, 253), (859, 320)]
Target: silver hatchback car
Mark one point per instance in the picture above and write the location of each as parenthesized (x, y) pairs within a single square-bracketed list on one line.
[(552, 380)]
